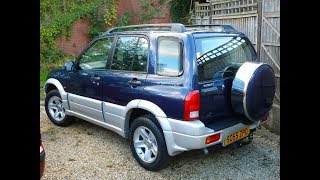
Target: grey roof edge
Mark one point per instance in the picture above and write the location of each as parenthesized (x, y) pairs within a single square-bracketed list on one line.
[(173, 27)]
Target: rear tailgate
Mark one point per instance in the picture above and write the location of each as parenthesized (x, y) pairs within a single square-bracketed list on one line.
[(218, 60), (215, 100)]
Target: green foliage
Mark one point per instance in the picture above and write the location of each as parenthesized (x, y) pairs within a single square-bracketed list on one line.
[(149, 9), (97, 23), (110, 14), (124, 19), (191, 19), (50, 54), (43, 75), (102, 17), (179, 11), (57, 17)]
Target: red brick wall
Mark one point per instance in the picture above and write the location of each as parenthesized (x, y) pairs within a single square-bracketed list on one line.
[(78, 40), (79, 33), (132, 6)]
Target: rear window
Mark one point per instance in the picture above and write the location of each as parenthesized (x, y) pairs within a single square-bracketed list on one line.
[(169, 56), (216, 54)]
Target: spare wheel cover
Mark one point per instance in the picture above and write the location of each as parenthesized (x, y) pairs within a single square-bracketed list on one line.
[(253, 90)]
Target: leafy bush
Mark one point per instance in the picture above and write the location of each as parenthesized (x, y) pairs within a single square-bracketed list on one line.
[(57, 17), (179, 11)]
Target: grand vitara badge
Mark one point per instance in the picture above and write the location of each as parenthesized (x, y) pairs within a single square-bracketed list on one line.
[(208, 85)]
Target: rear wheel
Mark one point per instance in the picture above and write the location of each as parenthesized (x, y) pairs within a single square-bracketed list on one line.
[(147, 143), (55, 110)]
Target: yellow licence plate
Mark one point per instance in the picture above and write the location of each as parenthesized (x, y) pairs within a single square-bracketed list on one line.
[(237, 136)]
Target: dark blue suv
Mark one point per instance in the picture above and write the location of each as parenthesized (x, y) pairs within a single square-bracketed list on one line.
[(168, 88)]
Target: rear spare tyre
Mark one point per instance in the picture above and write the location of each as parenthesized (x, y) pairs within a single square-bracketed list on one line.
[(253, 90)]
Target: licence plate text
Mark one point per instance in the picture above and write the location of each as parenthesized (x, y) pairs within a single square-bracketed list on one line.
[(237, 136)]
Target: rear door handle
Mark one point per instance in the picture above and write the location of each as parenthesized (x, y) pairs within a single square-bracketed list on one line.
[(134, 82), (95, 78)]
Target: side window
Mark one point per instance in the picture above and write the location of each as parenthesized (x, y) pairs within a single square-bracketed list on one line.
[(131, 54), (98, 54), (140, 63), (169, 57)]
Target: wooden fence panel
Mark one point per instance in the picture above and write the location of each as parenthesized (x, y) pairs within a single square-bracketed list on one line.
[(247, 25), (241, 14), (270, 50)]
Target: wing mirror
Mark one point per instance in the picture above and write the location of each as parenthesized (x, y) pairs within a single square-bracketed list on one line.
[(68, 66)]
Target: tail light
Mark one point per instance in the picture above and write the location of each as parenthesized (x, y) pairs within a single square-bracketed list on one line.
[(192, 106), (266, 117)]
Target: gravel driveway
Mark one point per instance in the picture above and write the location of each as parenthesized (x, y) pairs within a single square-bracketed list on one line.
[(86, 151)]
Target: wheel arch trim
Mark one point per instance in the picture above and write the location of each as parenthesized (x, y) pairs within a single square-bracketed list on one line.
[(148, 106), (58, 85)]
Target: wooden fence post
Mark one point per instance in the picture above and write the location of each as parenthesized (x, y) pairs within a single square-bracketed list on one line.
[(259, 27), (210, 12)]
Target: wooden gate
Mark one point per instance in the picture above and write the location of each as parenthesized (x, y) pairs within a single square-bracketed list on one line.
[(260, 21), (270, 51)]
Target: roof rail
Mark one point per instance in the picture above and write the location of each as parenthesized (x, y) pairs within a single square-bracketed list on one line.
[(173, 27), (213, 27)]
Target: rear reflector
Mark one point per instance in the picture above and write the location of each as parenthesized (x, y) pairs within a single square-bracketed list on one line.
[(266, 117), (212, 138), (192, 106)]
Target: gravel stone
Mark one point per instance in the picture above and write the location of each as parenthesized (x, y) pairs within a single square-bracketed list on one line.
[(87, 151)]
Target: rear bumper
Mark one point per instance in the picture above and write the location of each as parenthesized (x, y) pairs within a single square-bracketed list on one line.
[(189, 135)]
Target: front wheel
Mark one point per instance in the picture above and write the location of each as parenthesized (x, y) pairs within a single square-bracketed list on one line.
[(147, 143), (55, 110)]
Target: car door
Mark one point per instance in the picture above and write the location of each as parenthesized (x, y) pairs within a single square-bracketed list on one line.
[(85, 90), (125, 79)]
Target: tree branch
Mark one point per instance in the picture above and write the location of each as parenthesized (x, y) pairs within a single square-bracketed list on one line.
[(165, 3)]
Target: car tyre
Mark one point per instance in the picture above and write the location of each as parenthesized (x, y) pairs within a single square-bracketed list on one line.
[(55, 110), (148, 144)]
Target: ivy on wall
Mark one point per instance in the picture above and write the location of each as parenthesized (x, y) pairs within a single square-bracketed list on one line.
[(150, 8), (103, 17), (180, 11), (57, 17), (125, 18)]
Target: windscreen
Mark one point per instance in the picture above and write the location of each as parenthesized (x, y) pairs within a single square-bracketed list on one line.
[(216, 54)]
